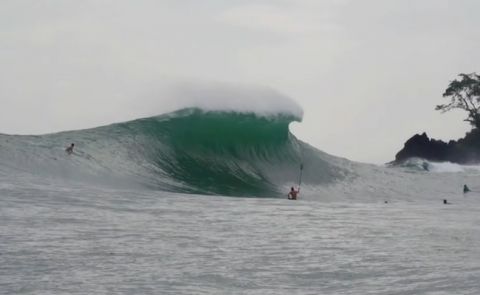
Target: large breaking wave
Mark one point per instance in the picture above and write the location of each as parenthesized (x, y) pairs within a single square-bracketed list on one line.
[(190, 151)]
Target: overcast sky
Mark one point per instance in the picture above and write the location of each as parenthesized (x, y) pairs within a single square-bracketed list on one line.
[(368, 73)]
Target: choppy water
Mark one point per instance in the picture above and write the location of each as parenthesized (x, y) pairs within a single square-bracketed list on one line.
[(74, 239)]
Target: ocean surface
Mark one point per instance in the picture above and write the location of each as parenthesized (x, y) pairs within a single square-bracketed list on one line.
[(194, 202)]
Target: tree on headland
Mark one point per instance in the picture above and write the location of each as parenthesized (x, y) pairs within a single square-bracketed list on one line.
[(464, 94)]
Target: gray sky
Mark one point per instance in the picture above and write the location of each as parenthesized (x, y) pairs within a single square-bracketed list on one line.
[(367, 73)]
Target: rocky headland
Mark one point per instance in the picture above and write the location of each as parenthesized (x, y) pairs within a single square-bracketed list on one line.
[(463, 151)]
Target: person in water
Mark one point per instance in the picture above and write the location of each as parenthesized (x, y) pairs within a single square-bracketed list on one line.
[(465, 189), (69, 149), (292, 195)]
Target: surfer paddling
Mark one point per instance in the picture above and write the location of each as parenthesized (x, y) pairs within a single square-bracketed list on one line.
[(292, 195), (69, 149)]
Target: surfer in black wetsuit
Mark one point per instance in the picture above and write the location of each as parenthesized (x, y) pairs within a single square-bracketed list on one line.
[(465, 189), (292, 195), (69, 149)]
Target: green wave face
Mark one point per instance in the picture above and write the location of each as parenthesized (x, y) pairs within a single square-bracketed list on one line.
[(222, 153)]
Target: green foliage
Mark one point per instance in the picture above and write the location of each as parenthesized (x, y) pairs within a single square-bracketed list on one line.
[(464, 94)]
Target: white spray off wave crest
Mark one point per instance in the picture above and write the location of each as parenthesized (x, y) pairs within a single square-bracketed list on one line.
[(260, 100)]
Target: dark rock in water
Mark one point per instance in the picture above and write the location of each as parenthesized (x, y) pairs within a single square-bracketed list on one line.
[(464, 151)]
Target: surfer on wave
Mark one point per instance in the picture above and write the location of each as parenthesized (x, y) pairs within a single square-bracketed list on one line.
[(69, 149)]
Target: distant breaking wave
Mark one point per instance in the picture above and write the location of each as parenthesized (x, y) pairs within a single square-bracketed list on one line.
[(420, 164), (189, 151)]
